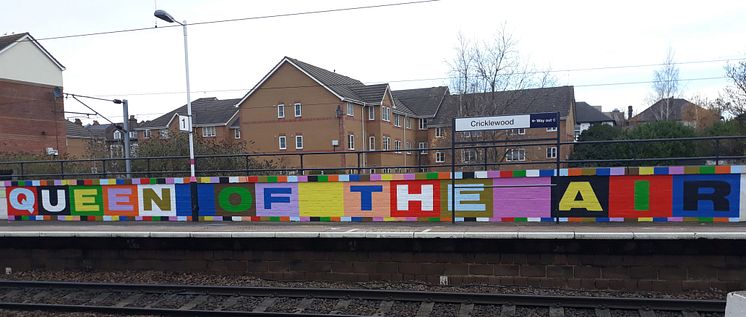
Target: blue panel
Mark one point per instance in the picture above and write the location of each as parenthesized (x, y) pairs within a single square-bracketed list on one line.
[(183, 200), (206, 197), (546, 173), (354, 178), (603, 171), (660, 170), (709, 196), (663, 219)]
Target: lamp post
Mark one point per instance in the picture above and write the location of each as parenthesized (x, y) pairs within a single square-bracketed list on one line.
[(163, 15)]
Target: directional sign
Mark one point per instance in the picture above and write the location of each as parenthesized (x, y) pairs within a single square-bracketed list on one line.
[(184, 123), (534, 120)]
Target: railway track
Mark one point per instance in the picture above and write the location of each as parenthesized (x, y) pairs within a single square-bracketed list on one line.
[(189, 300)]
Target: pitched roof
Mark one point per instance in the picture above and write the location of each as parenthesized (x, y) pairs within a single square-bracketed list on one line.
[(421, 101), (206, 111), (75, 130), (585, 113), (346, 88), (10, 40), (674, 107), (525, 101)]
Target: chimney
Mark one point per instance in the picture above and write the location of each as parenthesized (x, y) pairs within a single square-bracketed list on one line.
[(132, 122), (629, 112), (78, 122)]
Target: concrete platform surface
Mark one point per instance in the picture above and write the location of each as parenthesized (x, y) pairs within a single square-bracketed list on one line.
[(563, 231)]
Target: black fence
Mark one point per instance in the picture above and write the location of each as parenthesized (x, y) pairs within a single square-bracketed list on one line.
[(485, 155)]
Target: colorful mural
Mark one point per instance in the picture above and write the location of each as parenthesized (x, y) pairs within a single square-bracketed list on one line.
[(591, 194)]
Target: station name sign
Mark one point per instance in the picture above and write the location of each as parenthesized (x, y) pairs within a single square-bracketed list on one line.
[(534, 120)]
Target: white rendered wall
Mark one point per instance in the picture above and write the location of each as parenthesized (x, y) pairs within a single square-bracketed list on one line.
[(25, 62), (736, 306)]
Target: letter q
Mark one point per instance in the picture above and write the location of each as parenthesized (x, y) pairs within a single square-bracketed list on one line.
[(27, 203)]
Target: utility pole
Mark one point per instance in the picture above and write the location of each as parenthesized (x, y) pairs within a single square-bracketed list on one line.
[(126, 122)]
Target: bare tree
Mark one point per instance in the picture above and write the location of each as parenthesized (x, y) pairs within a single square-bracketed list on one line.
[(481, 69), (735, 96), (665, 86)]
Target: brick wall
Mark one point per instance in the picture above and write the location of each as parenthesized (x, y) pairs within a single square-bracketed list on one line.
[(31, 120), (663, 265)]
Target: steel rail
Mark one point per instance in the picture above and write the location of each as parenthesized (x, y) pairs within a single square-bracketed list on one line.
[(625, 303)]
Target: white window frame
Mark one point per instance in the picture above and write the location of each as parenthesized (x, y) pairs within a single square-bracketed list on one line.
[(350, 141), (282, 142), (510, 155), (298, 109), (552, 152), (298, 138), (146, 133), (281, 111), (350, 109), (439, 132), (386, 114), (468, 155), (133, 135), (209, 132), (371, 143), (117, 135), (397, 146), (371, 113), (423, 124), (164, 133), (408, 123), (440, 157), (397, 120), (237, 134), (552, 129), (408, 147), (422, 146), (521, 131), (386, 143)]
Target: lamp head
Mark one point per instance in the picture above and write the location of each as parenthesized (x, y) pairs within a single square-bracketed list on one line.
[(163, 15)]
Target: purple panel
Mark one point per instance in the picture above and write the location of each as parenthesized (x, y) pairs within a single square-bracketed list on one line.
[(676, 170), (493, 174), (616, 171), (512, 202), (276, 206)]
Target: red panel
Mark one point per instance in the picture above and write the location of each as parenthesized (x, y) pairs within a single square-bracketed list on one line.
[(27, 200), (414, 207), (622, 196)]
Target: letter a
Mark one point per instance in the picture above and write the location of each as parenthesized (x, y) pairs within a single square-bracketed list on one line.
[(588, 199)]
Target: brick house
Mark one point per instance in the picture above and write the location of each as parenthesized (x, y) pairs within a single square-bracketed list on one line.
[(588, 116), (32, 118), (78, 139), (679, 110), (299, 108), (513, 102), (213, 119)]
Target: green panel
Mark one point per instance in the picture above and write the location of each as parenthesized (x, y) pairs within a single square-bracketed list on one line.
[(642, 195), (707, 170), (432, 175), (704, 219), (431, 219), (274, 219), (322, 178), (520, 219), (519, 173), (271, 179)]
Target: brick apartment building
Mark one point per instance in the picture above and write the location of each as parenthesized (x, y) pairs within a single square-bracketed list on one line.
[(300, 108), (32, 117), (213, 119)]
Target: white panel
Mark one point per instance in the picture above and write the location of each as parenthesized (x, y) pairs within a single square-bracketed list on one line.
[(25, 62), (493, 123)]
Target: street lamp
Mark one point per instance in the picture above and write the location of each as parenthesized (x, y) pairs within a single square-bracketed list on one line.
[(163, 15)]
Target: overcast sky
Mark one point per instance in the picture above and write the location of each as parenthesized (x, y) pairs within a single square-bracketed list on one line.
[(407, 46)]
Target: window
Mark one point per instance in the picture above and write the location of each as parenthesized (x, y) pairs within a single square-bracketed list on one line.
[(552, 129), (519, 131), (386, 114), (515, 155), (438, 132), (208, 132), (440, 157), (117, 135), (350, 141), (236, 134), (386, 142), (423, 124), (371, 113), (133, 135), (350, 109), (280, 111), (396, 120), (552, 152), (146, 133), (468, 155), (298, 109), (408, 147), (372, 143), (407, 123), (298, 142), (397, 146), (422, 146), (164, 134), (282, 142)]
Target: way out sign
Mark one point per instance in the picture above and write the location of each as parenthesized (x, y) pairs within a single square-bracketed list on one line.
[(185, 123), (534, 120)]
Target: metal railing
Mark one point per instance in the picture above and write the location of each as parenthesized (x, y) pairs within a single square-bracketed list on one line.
[(489, 155)]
